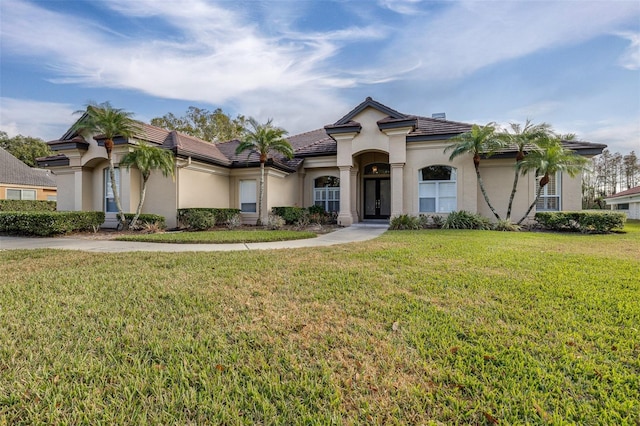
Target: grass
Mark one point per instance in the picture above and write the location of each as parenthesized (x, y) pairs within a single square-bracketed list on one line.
[(220, 237), (466, 327)]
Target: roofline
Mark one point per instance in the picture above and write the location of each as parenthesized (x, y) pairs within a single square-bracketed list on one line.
[(369, 102), (339, 130), (53, 161), (396, 124)]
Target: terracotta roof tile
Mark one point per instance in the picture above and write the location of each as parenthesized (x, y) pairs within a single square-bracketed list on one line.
[(631, 191)]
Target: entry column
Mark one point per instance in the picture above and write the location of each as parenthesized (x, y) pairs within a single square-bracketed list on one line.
[(345, 217), (397, 185)]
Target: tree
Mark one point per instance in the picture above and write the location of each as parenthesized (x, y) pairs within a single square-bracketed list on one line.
[(25, 148), (210, 126), (479, 141), (523, 137), (147, 158), (108, 122), (549, 157), (631, 165), (264, 139)]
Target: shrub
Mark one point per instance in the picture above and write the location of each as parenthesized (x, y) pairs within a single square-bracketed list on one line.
[(234, 222), (437, 221), (316, 210), (27, 205), (506, 225), (403, 222), (200, 216), (291, 215), (198, 220), (147, 219), (43, 223), (275, 222), (465, 220), (586, 221)]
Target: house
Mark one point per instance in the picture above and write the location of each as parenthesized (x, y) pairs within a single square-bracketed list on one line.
[(373, 163), (626, 201), (21, 182)]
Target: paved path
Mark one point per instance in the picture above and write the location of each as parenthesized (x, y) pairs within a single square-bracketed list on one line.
[(358, 232)]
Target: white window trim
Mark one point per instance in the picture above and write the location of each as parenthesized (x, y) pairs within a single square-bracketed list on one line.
[(437, 184), (544, 196), (22, 191)]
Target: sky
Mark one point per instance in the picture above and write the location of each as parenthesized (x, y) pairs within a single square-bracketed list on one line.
[(306, 63)]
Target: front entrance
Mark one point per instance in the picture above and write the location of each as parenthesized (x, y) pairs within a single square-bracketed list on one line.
[(377, 198)]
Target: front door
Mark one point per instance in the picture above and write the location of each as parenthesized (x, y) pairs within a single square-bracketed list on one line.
[(377, 198)]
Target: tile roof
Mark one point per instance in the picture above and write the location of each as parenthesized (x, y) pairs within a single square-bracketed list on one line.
[(14, 171), (433, 126), (191, 146), (631, 191)]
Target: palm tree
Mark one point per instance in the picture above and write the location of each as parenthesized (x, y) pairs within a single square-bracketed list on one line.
[(523, 137), (479, 141), (264, 139), (549, 158), (147, 158), (109, 122)]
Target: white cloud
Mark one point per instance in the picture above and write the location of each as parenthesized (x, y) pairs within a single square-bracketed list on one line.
[(622, 137), (630, 59), (45, 120), (404, 7)]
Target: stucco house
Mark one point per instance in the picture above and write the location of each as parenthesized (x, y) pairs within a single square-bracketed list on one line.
[(626, 201), (18, 181), (373, 163)]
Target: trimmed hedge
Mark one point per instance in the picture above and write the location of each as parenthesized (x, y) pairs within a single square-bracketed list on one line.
[(200, 218), (147, 218), (586, 221), (49, 223), (291, 215), (27, 206)]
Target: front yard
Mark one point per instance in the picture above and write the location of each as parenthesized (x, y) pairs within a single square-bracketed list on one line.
[(437, 326)]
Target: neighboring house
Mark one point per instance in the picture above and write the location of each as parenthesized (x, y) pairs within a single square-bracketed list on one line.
[(21, 182), (626, 201), (373, 163)]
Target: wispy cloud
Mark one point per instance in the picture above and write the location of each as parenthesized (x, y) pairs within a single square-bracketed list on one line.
[(630, 59), (33, 118)]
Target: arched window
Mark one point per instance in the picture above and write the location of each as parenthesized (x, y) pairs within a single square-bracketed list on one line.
[(437, 189), (326, 193), (377, 169)]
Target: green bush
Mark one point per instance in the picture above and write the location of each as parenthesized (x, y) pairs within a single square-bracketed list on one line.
[(586, 221), (316, 210), (506, 226), (291, 215), (209, 217), (27, 206), (147, 219), (465, 220), (42, 223), (404, 221)]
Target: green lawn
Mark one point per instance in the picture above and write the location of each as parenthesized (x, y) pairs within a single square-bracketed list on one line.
[(220, 237), (420, 327)]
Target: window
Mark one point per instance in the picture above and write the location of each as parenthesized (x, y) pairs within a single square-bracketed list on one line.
[(622, 206), (377, 169), (21, 194), (437, 189), (550, 197), (248, 196), (326, 193), (109, 199)]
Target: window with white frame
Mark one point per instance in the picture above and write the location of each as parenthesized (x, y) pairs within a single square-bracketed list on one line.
[(109, 200), (550, 196), (248, 196), (21, 194), (326, 193), (437, 189)]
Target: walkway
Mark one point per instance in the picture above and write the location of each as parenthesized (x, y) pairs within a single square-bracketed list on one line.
[(355, 233)]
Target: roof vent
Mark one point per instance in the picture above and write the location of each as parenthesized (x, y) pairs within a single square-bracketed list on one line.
[(439, 116)]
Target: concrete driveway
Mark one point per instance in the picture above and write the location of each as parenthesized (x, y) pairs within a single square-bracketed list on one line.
[(355, 233)]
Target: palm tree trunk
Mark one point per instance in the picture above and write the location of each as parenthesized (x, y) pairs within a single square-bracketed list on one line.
[(259, 221), (143, 192), (540, 187), (516, 178), (114, 189), (484, 192)]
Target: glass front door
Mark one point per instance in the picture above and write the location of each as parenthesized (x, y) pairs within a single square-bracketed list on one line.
[(377, 198)]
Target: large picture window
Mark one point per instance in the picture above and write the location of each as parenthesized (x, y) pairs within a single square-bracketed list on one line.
[(326, 193), (437, 189), (248, 196), (21, 194), (550, 197), (109, 200)]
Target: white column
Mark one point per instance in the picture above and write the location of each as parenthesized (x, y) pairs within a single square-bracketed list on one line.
[(344, 217), (77, 189), (397, 185), (354, 194)]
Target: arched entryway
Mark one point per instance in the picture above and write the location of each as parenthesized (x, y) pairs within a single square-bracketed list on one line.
[(376, 191)]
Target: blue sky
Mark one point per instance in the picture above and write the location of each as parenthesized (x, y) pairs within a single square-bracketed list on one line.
[(574, 64)]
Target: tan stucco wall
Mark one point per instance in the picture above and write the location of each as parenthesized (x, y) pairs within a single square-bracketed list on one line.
[(66, 192), (282, 190), (41, 192), (161, 198), (370, 137), (204, 186)]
